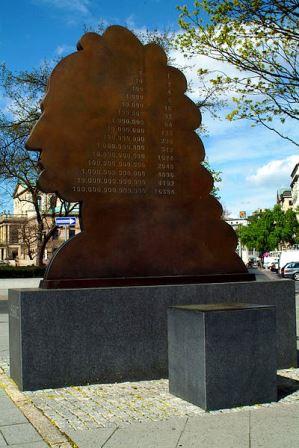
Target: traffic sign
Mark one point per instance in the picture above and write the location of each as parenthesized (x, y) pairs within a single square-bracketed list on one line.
[(65, 220)]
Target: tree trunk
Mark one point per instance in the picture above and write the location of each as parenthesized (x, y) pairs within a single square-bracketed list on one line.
[(42, 247)]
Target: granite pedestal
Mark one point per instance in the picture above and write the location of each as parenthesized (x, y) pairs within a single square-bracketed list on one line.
[(102, 335), (222, 356)]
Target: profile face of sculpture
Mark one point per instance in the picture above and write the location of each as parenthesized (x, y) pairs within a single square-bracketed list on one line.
[(86, 103), (117, 133), (83, 92)]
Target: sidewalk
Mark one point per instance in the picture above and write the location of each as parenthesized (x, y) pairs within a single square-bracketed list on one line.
[(138, 415), (9, 283), (77, 413), (274, 425), (15, 430)]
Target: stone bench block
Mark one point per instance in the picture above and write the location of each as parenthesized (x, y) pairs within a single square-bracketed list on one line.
[(222, 355)]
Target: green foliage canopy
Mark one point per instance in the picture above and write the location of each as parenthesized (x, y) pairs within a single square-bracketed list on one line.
[(267, 229), (259, 38)]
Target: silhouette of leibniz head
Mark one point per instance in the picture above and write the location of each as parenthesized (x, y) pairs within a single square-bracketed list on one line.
[(117, 133)]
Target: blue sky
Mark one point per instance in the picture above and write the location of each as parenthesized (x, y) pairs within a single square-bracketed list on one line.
[(31, 30), (254, 162)]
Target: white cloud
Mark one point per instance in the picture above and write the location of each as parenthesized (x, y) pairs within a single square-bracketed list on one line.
[(275, 173), (80, 6), (130, 21), (251, 201), (64, 49), (238, 142), (190, 66), (197, 91)]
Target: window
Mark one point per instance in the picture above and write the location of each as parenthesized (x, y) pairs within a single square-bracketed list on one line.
[(13, 235), (13, 254), (71, 231)]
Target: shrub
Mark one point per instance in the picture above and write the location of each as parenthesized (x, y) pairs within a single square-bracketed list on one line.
[(21, 271)]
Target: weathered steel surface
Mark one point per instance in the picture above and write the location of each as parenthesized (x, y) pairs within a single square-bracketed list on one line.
[(117, 133)]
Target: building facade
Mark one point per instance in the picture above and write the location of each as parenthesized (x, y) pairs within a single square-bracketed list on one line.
[(19, 230), (284, 198), (295, 189), (242, 251)]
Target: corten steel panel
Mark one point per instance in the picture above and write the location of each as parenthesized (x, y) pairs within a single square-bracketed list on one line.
[(117, 134)]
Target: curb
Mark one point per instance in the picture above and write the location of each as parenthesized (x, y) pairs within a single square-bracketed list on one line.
[(47, 429)]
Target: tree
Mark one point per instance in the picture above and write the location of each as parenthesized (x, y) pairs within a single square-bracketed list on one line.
[(19, 166), (268, 229), (260, 39), (216, 177)]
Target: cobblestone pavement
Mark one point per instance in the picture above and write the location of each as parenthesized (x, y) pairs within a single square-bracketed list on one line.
[(103, 405), (100, 406), (75, 416)]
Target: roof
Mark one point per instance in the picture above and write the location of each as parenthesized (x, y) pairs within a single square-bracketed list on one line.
[(285, 192), (294, 170)]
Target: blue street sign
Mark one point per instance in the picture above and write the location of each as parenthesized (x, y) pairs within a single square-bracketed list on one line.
[(65, 220)]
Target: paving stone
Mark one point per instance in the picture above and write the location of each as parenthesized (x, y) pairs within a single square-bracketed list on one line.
[(20, 434), (32, 445), (91, 437), (214, 431), (99, 406), (2, 441), (275, 427), (4, 361), (9, 413), (147, 435)]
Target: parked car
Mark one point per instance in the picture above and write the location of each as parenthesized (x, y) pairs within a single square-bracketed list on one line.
[(291, 270), (252, 262), (270, 258), (287, 256)]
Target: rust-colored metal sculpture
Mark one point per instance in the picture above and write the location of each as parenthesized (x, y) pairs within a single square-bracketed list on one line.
[(117, 134)]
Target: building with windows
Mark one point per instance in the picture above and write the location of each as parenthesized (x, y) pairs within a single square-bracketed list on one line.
[(242, 251), (19, 230), (10, 243), (284, 198), (236, 222), (295, 189)]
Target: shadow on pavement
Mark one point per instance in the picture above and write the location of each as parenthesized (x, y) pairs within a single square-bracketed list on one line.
[(3, 306), (286, 386)]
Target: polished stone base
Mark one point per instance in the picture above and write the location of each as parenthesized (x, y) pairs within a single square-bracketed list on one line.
[(102, 335), (222, 356)]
